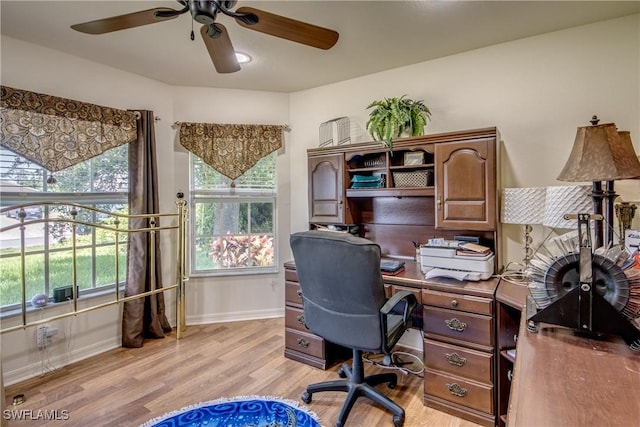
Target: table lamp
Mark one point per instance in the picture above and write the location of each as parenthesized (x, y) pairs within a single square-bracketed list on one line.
[(569, 199), (601, 153), (523, 206)]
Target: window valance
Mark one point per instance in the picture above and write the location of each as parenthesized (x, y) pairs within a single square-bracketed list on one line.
[(57, 133), (231, 149)]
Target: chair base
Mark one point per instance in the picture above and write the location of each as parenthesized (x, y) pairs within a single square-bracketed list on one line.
[(355, 385)]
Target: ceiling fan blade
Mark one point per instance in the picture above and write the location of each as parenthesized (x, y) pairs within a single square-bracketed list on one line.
[(289, 29), (130, 20), (220, 49)]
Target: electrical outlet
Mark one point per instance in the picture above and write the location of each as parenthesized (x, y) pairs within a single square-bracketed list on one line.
[(41, 336), (44, 334)]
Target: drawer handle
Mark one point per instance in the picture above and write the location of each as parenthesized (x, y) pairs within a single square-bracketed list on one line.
[(303, 343), (301, 319), (454, 303), (456, 325), (455, 359), (509, 375), (299, 292), (457, 390)]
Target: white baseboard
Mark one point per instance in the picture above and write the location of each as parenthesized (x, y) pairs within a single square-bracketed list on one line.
[(66, 358), (234, 316)]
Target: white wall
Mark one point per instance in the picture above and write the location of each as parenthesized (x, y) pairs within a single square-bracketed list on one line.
[(537, 91), (39, 69)]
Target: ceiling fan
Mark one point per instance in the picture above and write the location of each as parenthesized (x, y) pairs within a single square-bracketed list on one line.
[(214, 34)]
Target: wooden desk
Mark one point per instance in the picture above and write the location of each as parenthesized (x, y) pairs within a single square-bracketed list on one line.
[(564, 380), (458, 324)]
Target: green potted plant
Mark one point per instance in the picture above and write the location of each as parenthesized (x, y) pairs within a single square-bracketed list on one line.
[(393, 117)]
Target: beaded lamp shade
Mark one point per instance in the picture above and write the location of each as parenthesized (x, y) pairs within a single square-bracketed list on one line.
[(523, 205), (561, 200)]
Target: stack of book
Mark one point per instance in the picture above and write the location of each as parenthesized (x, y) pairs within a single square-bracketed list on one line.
[(389, 267), (473, 250)]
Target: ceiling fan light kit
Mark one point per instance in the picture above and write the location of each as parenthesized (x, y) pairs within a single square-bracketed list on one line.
[(214, 34)]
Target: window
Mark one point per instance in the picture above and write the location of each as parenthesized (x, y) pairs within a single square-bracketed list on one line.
[(233, 222), (102, 183)]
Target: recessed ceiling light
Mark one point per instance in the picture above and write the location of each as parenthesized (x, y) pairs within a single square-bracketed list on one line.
[(243, 58)]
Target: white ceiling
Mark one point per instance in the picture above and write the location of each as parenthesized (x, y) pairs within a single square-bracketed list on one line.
[(374, 36)]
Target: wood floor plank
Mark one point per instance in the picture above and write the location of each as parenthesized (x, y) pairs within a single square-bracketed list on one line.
[(126, 387)]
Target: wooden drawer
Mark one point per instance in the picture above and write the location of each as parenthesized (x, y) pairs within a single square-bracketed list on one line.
[(460, 391), (461, 326), (416, 292), (468, 303), (460, 361), (305, 343), (290, 275), (294, 319), (292, 293)]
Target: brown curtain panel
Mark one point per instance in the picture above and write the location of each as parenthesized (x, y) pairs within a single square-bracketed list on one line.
[(143, 317), (57, 133), (230, 149)]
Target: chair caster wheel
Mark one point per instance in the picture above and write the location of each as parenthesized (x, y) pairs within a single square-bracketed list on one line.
[(306, 397), (392, 384), (342, 373), (398, 420)]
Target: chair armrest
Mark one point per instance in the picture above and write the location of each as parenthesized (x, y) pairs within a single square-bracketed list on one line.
[(410, 303), (396, 299)]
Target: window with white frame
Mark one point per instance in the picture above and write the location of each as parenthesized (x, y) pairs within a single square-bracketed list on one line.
[(102, 183), (233, 223)]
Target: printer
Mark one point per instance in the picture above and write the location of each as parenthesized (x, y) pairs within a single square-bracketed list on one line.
[(451, 258)]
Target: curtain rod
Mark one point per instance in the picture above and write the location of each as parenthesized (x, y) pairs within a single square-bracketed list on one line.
[(138, 115), (287, 128)]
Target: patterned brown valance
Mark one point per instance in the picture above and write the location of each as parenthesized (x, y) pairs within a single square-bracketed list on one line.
[(57, 133), (230, 149)]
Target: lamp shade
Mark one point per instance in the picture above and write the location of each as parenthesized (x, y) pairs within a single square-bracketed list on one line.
[(601, 153), (523, 205), (563, 200)]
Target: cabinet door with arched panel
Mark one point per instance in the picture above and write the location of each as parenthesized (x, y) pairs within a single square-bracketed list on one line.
[(326, 190), (465, 181)]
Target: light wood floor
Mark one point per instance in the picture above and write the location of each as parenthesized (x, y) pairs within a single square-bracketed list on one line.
[(126, 387)]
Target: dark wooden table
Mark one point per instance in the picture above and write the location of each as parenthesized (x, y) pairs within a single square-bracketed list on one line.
[(562, 379)]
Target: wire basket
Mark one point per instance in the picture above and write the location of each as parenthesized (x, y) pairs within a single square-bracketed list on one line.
[(412, 179)]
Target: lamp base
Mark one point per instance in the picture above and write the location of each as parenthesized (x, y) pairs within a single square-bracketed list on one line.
[(625, 212)]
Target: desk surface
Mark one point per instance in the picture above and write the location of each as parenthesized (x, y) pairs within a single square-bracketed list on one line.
[(413, 277), (566, 380)]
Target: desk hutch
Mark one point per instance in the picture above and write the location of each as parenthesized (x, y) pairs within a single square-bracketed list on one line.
[(457, 195)]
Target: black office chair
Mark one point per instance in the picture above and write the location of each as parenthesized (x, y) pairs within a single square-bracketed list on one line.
[(344, 302)]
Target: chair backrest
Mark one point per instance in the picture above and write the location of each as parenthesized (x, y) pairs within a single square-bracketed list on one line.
[(342, 287)]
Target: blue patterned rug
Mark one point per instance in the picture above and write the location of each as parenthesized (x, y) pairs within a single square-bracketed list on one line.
[(244, 411)]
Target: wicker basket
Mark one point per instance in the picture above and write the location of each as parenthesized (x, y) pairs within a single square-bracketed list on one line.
[(411, 179)]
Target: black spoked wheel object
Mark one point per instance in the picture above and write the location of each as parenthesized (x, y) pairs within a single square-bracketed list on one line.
[(609, 280)]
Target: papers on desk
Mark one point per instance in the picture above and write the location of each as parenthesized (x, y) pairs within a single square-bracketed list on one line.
[(455, 274)]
